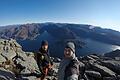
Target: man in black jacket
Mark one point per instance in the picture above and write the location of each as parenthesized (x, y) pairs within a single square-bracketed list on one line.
[(43, 59)]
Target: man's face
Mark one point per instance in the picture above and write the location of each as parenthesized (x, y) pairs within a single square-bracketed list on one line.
[(45, 47), (68, 52)]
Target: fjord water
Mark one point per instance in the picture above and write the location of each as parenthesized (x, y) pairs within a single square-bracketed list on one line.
[(56, 49), (93, 46)]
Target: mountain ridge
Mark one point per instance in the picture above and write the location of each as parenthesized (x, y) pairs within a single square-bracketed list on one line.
[(30, 37)]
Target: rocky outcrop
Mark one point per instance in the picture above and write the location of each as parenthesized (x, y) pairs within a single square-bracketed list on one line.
[(13, 58), (113, 65), (20, 65), (100, 68)]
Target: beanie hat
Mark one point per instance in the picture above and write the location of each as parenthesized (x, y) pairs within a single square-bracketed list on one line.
[(44, 42), (71, 45)]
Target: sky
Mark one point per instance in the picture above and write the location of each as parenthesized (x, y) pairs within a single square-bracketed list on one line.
[(103, 13)]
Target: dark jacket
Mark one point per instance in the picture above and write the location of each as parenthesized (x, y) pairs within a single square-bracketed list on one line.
[(72, 68), (43, 59)]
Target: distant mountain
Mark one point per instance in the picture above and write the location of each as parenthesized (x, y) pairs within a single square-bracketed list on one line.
[(88, 38), (113, 54)]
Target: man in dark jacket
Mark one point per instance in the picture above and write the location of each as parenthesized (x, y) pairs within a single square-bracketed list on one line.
[(43, 59)]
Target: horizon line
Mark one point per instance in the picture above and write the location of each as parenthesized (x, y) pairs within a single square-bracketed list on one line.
[(56, 23)]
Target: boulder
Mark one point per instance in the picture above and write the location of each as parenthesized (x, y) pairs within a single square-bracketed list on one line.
[(93, 74), (118, 77), (56, 59), (26, 78), (110, 78), (6, 74), (53, 72), (28, 65), (1, 48), (113, 65), (94, 56), (51, 78), (88, 58), (12, 41), (6, 50), (9, 54), (22, 55), (2, 59), (29, 78), (104, 71), (117, 58)]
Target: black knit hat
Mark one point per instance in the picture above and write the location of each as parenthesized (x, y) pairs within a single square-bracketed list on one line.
[(44, 42), (71, 45)]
